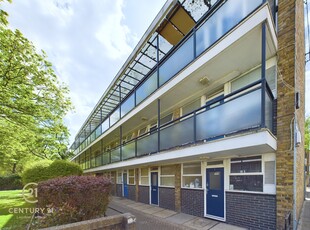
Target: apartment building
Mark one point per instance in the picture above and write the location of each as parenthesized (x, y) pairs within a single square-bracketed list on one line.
[(206, 116)]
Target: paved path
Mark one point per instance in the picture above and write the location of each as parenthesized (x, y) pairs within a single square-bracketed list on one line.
[(304, 222), (152, 217)]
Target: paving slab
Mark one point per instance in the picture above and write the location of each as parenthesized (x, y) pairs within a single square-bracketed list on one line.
[(222, 226), (152, 210), (127, 202), (201, 223), (135, 205), (180, 218), (304, 222), (164, 214), (142, 207)]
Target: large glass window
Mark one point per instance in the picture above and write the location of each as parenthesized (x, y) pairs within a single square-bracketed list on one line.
[(246, 79), (144, 176), (246, 174), (192, 177), (167, 175)]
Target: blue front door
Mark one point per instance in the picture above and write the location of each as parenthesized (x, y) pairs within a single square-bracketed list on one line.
[(215, 192), (125, 185), (154, 188)]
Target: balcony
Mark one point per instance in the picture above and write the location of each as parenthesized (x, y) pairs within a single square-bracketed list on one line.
[(245, 110), (224, 16)]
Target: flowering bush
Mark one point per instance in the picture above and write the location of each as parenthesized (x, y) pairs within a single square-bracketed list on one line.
[(74, 198)]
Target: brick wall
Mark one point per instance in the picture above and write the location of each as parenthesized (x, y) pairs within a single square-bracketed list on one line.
[(132, 192), (167, 198), (144, 194), (192, 202), (119, 190), (291, 71), (177, 187), (252, 211)]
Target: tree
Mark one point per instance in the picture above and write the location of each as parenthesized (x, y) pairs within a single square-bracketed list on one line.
[(33, 102)]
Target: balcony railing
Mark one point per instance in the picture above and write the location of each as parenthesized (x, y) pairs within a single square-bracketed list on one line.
[(212, 27), (240, 111)]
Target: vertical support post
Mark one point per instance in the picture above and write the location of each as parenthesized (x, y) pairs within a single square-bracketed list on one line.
[(158, 125), (101, 152), (157, 53), (263, 73), (120, 100), (194, 36), (195, 129), (120, 142)]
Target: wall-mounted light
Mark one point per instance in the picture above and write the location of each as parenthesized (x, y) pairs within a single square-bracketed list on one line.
[(204, 81)]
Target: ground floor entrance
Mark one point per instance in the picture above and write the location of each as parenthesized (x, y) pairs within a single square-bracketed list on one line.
[(215, 194)]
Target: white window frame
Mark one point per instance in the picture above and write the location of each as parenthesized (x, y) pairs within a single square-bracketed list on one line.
[(267, 188), (191, 175), (148, 177), (134, 177), (119, 179), (165, 176)]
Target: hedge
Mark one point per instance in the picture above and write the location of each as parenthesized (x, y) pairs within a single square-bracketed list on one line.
[(73, 198), (44, 170), (10, 182)]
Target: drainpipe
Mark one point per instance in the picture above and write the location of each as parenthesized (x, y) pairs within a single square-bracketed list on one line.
[(295, 221)]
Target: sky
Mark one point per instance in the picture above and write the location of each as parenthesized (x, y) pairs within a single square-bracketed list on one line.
[(86, 41)]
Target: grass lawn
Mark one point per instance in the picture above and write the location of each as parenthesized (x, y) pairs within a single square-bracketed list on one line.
[(8, 201)]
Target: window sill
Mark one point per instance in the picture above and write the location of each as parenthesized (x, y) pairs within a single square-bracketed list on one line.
[(250, 192), (192, 188)]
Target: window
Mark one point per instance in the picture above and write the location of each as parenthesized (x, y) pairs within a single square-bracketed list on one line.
[(246, 174), (246, 79), (166, 119), (192, 175), (153, 128), (167, 175), (191, 107), (270, 172), (142, 131), (144, 176), (119, 177), (131, 176)]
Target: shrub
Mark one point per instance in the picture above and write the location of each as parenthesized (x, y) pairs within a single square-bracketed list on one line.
[(36, 172), (10, 182), (46, 169), (74, 198), (60, 168)]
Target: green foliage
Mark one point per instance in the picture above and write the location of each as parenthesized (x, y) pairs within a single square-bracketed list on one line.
[(10, 182), (46, 169), (76, 198), (33, 102), (37, 172), (60, 168)]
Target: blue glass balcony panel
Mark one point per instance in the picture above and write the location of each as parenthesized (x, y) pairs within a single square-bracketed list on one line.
[(105, 125), (237, 114), (128, 105), (98, 131), (106, 158), (129, 150), (147, 87), (180, 133), (115, 155), (223, 20), (269, 112), (177, 61), (115, 116), (147, 144)]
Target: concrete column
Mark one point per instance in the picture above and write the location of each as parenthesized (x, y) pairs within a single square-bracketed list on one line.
[(178, 188)]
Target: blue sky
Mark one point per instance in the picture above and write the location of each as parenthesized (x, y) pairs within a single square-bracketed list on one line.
[(88, 42)]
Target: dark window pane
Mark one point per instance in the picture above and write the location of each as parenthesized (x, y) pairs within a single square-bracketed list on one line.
[(247, 183)]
